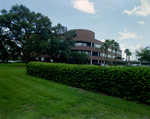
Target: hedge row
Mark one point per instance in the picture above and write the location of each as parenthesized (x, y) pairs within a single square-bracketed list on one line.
[(130, 83)]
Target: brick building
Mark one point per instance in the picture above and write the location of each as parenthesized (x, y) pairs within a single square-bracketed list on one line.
[(86, 42)]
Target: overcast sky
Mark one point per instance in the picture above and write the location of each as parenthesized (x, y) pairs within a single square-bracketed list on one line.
[(126, 21)]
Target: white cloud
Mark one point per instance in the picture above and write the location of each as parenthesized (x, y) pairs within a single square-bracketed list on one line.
[(132, 50), (137, 47), (113, 8), (143, 10), (141, 22), (103, 40), (127, 35), (122, 47), (84, 5)]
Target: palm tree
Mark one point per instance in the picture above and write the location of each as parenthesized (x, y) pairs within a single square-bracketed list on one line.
[(129, 54), (106, 44), (112, 48), (102, 48), (116, 46), (126, 51)]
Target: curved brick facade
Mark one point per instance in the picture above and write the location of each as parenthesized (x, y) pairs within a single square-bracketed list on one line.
[(86, 42)]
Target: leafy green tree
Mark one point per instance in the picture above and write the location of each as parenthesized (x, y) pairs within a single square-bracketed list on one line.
[(8, 49), (59, 45), (112, 42), (28, 30), (116, 46), (105, 47), (127, 52), (143, 54), (122, 58), (102, 49), (78, 58)]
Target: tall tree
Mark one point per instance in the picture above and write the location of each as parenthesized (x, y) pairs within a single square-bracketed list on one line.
[(129, 54), (112, 42), (127, 51), (29, 30), (116, 46), (106, 45), (59, 44), (103, 48), (143, 54), (8, 49)]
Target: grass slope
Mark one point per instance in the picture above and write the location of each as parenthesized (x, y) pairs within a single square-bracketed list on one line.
[(28, 97)]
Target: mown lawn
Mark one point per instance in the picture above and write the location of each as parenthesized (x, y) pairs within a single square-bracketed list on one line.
[(27, 97)]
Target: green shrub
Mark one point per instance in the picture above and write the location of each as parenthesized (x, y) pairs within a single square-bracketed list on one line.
[(130, 83)]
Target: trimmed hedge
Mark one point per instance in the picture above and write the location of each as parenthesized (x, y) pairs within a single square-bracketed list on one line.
[(130, 83)]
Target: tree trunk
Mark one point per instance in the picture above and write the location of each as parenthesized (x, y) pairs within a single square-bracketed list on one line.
[(111, 56), (26, 60), (107, 56), (115, 57), (126, 59)]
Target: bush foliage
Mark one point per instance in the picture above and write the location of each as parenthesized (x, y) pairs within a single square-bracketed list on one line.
[(78, 58), (130, 83)]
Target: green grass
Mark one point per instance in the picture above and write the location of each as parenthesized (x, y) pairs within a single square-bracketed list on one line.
[(27, 97)]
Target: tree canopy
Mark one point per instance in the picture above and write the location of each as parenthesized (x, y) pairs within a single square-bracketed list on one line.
[(32, 34), (105, 47), (116, 46), (60, 42), (26, 30), (8, 48), (143, 54), (78, 58), (128, 54), (110, 43)]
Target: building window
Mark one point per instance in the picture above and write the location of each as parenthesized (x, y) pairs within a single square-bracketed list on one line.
[(120, 53), (94, 53), (109, 56), (118, 57), (87, 52), (88, 44), (83, 44), (109, 49), (80, 44), (103, 55), (96, 45), (42, 58)]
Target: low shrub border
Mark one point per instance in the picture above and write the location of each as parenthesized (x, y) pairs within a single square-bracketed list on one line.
[(129, 83)]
